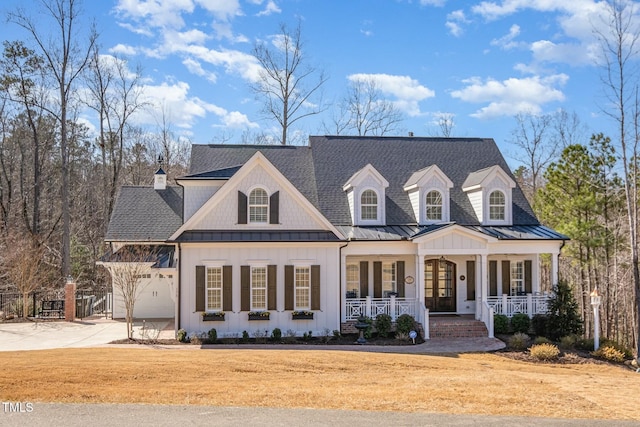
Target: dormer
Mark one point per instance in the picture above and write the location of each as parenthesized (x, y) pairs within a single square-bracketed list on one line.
[(366, 195), (490, 193), (428, 191), (160, 180)]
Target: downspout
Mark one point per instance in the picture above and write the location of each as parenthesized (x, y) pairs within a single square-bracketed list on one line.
[(179, 302)]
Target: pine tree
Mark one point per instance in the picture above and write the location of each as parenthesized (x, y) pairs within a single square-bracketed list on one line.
[(563, 318)]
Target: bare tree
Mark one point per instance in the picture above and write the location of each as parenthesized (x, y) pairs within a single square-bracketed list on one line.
[(24, 265), (536, 148), (287, 85), (618, 37), (364, 111), (128, 269), (115, 96), (65, 56)]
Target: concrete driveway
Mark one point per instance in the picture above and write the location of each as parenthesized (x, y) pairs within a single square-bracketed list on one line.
[(89, 332)]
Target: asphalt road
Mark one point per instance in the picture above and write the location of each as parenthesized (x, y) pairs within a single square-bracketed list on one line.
[(69, 415)]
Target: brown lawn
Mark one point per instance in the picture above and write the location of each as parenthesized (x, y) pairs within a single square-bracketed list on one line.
[(467, 383)]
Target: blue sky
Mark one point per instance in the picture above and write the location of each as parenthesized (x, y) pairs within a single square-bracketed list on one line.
[(479, 61)]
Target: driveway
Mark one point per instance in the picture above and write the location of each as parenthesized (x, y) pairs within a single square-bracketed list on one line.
[(89, 332)]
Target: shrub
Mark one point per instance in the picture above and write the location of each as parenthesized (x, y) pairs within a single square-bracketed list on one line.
[(520, 322), (307, 336), (584, 344), (544, 351), (539, 325), (563, 313), (519, 341), (500, 324), (568, 341), (383, 325), (609, 353), (628, 353), (336, 333), (541, 340), (276, 334), (245, 336), (405, 324), (213, 335), (181, 335)]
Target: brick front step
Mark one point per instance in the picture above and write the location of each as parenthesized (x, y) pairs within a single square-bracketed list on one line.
[(457, 328)]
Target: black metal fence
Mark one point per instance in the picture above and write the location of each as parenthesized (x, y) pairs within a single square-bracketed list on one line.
[(89, 302)]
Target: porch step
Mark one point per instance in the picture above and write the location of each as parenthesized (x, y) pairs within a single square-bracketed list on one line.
[(456, 327)]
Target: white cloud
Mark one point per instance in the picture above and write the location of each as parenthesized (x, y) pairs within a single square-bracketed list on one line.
[(221, 9), (507, 42), (407, 91), (122, 49), (437, 3), (454, 19), (269, 9), (195, 67), (511, 96)]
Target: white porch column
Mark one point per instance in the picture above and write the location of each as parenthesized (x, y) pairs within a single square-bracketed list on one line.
[(342, 298), (554, 268), (484, 283), (478, 289), (420, 278)]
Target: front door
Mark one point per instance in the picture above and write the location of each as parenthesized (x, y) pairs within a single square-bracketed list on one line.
[(439, 285)]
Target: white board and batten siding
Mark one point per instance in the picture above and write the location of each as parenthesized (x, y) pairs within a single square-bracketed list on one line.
[(236, 255), (155, 299)]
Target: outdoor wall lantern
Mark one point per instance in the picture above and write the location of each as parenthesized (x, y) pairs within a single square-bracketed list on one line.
[(596, 299)]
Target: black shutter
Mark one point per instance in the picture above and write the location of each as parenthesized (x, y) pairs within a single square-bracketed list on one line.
[(400, 278), (493, 278), (315, 287), (272, 294), (200, 287), (506, 277), (227, 288), (245, 291), (471, 280), (377, 279), (527, 276), (242, 208), (274, 208), (288, 287), (364, 279)]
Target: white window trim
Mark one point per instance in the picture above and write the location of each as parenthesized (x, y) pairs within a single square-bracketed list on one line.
[(266, 286), (251, 190), (380, 220), (513, 291), (507, 207), (444, 206), (218, 267), (394, 281), (307, 287), (356, 281)]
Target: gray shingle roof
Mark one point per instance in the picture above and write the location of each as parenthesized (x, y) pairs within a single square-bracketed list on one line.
[(319, 172), (145, 214)]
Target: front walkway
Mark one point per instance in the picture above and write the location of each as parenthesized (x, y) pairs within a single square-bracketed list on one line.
[(99, 332)]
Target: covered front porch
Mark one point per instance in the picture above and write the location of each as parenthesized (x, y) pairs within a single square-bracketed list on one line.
[(453, 271)]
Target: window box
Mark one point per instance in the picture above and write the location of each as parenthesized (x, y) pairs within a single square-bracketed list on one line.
[(302, 315), (259, 315), (213, 317)]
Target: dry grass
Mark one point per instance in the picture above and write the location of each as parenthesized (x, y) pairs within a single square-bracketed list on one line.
[(468, 383)]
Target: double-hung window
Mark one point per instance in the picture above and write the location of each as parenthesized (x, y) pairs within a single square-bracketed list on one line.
[(433, 206), (388, 277), (517, 278), (258, 288), (214, 289), (497, 206), (353, 280), (302, 282), (369, 205), (258, 206)]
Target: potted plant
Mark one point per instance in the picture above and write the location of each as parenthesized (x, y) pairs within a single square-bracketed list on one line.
[(302, 315), (258, 315), (213, 316)]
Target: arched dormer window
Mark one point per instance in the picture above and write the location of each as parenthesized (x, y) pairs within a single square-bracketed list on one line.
[(497, 206), (258, 206), (433, 206), (369, 206)]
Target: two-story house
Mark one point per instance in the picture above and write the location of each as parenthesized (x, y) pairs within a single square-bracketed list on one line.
[(308, 238)]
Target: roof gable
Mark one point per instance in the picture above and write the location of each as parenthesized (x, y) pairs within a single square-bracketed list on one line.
[(479, 179)]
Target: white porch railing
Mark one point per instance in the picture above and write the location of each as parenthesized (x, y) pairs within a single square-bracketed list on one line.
[(371, 307), (529, 304)]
